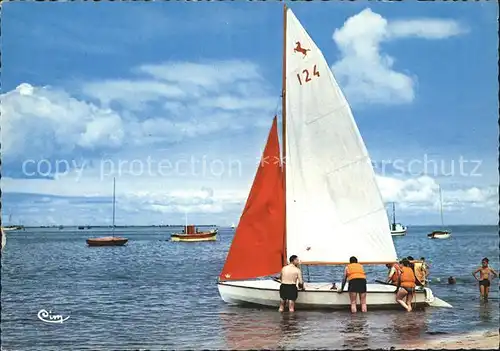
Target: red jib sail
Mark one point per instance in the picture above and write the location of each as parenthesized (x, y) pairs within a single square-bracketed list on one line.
[(258, 245)]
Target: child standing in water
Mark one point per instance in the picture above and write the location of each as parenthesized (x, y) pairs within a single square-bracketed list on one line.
[(484, 277)]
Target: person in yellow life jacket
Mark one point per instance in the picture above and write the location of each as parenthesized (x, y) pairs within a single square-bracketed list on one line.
[(355, 275), (394, 272), (406, 286), (420, 270)]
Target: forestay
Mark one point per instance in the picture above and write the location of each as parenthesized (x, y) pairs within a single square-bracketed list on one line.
[(334, 207)]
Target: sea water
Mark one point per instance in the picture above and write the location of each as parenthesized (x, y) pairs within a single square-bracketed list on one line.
[(155, 294)]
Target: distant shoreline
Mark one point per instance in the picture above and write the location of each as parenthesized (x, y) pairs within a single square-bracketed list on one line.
[(215, 225)]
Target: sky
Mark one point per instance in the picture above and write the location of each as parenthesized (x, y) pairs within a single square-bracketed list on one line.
[(175, 100)]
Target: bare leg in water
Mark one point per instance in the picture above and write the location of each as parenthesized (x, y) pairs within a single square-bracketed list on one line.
[(362, 297), (291, 306), (282, 305), (352, 297), (484, 290), (409, 299), (400, 297)]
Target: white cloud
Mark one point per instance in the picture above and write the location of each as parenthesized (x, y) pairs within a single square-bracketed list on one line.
[(423, 193), (426, 28), (150, 198), (168, 103), (366, 73), (39, 122)]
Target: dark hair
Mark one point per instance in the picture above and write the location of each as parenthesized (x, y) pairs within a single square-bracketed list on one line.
[(422, 258), (410, 258), (405, 262), (486, 259), (293, 258), (353, 260)]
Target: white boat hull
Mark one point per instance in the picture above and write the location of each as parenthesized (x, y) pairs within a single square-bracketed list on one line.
[(399, 230), (4, 239), (315, 296), (441, 236)]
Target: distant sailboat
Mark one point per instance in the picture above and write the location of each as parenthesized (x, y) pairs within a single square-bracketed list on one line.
[(443, 233), (11, 227), (109, 240), (397, 229), (4, 239), (233, 226), (322, 204)]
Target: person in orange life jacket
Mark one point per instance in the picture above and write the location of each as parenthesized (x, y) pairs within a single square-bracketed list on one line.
[(394, 272), (406, 286), (415, 266), (355, 274)]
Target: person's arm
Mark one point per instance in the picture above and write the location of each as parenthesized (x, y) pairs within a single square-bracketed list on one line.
[(344, 281), (399, 283), (301, 281), (493, 272), (391, 273), (475, 272)]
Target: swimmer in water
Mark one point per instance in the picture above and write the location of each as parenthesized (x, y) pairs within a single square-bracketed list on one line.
[(290, 276), (485, 271), (452, 280)]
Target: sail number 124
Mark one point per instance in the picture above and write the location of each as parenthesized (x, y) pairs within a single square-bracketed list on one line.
[(306, 76)]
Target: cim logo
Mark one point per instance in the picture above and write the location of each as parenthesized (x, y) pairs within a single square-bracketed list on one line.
[(48, 317)]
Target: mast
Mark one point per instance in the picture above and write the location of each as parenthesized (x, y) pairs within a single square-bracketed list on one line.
[(283, 123), (441, 206), (114, 196), (393, 215)]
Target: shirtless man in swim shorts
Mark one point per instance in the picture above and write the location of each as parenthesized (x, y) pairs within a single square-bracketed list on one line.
[(290, 276), (484, 277)]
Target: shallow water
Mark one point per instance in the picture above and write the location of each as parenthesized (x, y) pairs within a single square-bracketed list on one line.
[(155, 294)]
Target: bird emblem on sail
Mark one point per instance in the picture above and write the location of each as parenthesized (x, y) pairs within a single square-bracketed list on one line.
[(299, 48)]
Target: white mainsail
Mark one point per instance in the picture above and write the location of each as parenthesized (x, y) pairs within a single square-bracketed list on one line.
[(334, 207)]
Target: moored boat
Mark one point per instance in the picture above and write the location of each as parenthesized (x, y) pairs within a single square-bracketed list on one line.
[(397, 229), (192, 234), (325, 180), (443, 233), (4, 238), (439, 234), (108, 240)]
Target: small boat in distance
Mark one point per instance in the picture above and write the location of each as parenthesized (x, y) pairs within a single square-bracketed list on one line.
[(397, 229), (8, 228), (440, 234), (233, 226), (4, 239), (109, 240), (192, 234)]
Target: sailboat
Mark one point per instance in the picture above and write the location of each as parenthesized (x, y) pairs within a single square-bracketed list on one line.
[(4, 238), (397, 229), (109, 240), (443, 233), (233, 226), (12, 226), (321, 202)]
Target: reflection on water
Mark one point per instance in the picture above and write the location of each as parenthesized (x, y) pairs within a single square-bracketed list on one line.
[(356, 332), (268, 329), (157, 295)]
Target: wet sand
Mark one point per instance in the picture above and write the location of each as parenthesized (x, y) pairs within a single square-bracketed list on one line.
[(479, 340)]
